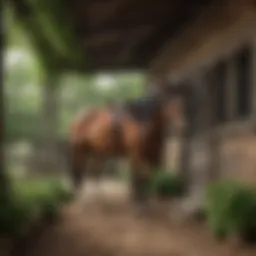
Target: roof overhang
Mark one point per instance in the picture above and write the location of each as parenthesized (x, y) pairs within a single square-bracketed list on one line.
[(122, 34)]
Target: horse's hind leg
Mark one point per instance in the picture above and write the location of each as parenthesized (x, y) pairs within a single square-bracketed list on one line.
[(77, 166), (140, 178), (97, 173)]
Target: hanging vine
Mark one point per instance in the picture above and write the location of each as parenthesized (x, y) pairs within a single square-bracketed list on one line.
[(49, 27)]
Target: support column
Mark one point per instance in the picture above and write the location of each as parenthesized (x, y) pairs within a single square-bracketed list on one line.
[(198, 144), (185, 169), (253, 73), (214, 168), (3, 177), (195, 153), (171, 153), (231, 93), (50, 123), (172, 149)]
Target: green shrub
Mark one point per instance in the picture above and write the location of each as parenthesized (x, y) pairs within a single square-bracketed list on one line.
[(61, 193), (165, 185), (28, 201), (13, 215), (231, 209)]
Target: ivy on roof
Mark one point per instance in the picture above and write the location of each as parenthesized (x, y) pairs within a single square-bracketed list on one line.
[(49, 26)]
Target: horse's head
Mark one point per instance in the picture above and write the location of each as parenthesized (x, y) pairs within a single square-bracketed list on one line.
[(172, 104)]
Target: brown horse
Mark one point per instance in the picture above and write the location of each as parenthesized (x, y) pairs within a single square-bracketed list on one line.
[(135, 130)]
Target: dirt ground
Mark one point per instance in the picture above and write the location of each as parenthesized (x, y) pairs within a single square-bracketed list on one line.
[(109, 227)]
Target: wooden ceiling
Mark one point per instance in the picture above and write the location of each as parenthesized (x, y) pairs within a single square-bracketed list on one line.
[(127, 34)]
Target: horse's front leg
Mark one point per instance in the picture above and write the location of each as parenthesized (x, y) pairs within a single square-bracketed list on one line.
[(96, 170), (76, 168), (139, 180)]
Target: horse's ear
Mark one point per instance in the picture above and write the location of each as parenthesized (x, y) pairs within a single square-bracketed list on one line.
[(175, 90), (157, 87), (163, 88), (152, 86), (164, 84)]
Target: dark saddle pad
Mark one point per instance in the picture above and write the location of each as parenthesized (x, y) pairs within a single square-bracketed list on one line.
[(141, 110)]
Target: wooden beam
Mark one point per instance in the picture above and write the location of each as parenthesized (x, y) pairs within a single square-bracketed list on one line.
[(169, 28), (132, 14), (109, 36), (134, 11), (213, 34), (82, 29), (99, 12), (102, 12), (134, 40)]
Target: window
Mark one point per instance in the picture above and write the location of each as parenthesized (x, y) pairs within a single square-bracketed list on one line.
[(244, 83), (220, 92)]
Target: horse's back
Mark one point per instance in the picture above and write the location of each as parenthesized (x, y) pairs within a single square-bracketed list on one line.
[(79, 123), (90, 125)]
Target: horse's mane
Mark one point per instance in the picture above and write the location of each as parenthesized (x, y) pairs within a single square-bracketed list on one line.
[(143, 108)]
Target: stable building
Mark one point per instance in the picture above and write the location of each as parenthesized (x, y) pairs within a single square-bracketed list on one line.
[(216, 56)]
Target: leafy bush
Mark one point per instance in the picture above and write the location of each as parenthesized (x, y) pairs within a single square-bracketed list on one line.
[(165, 185), (28, 201), (231, 209), (14, 215)]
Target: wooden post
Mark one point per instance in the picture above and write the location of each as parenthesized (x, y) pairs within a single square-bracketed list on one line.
[(197, 144), (50, 123), (253, 73), (196, 151), (201, 101), (172, 152), (231, 89), (172, 149), (213, 137), (3, 177), (185, 155), (2, 140)]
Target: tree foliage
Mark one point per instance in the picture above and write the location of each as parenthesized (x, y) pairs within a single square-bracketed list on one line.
[(23, 74)]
